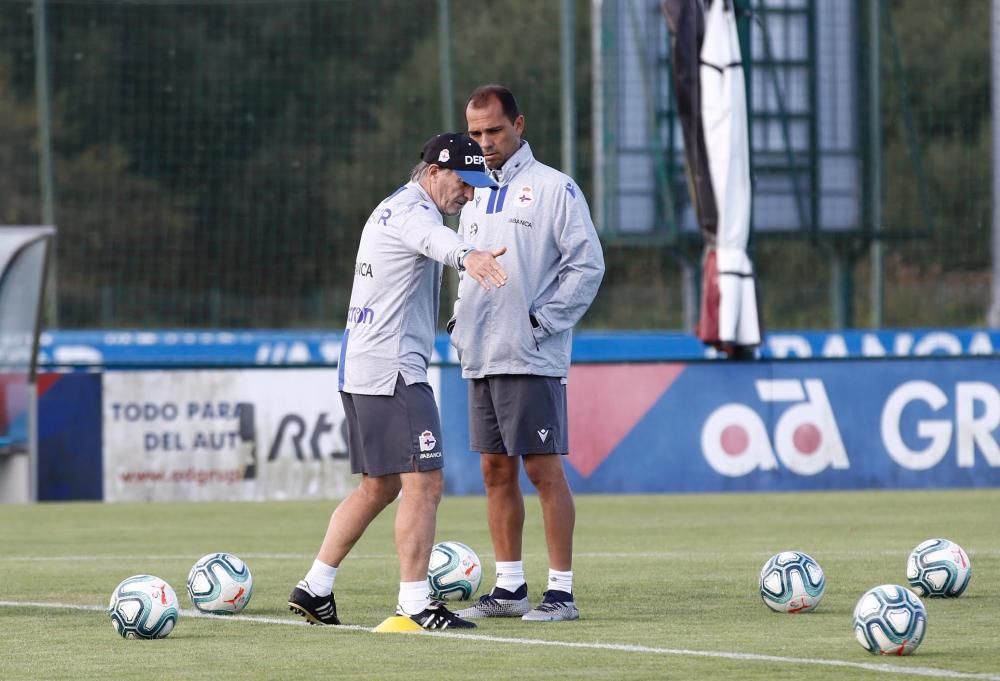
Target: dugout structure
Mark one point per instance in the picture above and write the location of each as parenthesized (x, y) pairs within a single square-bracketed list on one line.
[(24, 255)]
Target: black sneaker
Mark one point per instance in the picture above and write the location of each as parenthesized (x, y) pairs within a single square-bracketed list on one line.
[(556, 606), (500, 603), (316, 609), (436, 616)]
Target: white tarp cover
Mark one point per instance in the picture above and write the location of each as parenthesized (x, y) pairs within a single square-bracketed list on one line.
[(724, 118)]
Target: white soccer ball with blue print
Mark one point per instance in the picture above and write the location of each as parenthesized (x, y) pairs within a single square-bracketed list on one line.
[(220, 583), (938, 568), (454, 571), (143, 606), (890, 620), (792, 582)]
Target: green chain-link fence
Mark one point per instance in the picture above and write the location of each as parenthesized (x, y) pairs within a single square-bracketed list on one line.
[(213, 161)]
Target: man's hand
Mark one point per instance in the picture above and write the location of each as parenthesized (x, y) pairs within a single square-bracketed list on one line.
[(484, 267)]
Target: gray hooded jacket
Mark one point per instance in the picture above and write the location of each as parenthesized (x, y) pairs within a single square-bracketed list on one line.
[(555, 266)]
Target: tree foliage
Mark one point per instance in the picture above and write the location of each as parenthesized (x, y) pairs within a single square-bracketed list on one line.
[(215, 160)]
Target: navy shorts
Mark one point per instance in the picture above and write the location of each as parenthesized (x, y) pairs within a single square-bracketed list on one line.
[(391, 434), (518, 414)]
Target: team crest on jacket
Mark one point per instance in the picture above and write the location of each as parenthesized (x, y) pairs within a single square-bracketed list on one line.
[(525, 197), (427, 441)]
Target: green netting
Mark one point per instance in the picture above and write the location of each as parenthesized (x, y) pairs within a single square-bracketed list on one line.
[(214, 161)]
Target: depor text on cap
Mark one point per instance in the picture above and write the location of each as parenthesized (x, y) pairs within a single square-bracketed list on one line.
[(459, 152)]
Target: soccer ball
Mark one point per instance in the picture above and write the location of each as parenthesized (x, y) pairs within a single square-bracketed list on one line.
[(890, 620), (938, 567), (143, 606), (791, 581), (454, 571), (220, 583)]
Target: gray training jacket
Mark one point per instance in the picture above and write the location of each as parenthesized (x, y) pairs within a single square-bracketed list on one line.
[(397, 293), (555, 266)]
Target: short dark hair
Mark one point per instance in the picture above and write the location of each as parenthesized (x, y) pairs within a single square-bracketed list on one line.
[(480, 98)]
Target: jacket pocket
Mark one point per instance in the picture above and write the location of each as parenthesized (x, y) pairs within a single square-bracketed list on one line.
[(532, 325)]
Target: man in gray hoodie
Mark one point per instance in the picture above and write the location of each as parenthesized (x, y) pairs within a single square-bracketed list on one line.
[(393, 425), (514, 348)]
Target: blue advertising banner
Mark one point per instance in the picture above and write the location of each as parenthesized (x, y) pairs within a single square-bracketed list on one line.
[(634, 427), (222, 348), (709, 427), (69, 437)]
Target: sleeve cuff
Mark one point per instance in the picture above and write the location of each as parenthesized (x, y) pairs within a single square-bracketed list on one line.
[(460, 258)]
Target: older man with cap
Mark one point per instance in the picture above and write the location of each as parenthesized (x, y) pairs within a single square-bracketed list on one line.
[(393, 425)]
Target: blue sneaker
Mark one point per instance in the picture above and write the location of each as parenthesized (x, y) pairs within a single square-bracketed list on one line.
[(556, 606)]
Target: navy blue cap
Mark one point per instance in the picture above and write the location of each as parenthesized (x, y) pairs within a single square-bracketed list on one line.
[(459, 152)]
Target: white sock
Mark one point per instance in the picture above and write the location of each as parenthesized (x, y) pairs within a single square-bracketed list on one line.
[(561, 581), (414, 596), (510, 574), (320, 578)]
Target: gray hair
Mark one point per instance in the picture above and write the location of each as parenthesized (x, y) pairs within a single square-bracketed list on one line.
[(419, 171)]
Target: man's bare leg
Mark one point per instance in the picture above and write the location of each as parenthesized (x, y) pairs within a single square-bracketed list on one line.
[(354, 514), (559, 516), (558, 509), (416, 521), (504, 504), (505, 517), (313, 597)]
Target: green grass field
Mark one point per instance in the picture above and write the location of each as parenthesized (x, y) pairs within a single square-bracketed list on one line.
[(667, 588)]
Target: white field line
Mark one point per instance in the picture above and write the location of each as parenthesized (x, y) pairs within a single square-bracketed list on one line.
[(186, 612), (596, 555), (927, 672)]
